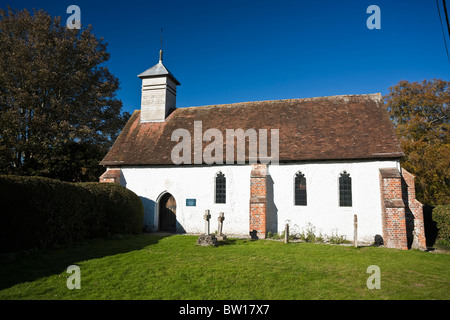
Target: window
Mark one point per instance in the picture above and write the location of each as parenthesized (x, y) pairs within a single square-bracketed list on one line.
[(345, 190), (300, 189), (221, 188)]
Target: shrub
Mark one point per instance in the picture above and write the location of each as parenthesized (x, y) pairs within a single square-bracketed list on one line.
[(441, 215), (335, 238), (309, 235), (39, 212)]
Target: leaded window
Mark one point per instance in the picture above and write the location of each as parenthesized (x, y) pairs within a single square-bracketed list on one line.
[(345, 190), (221, 188), (300, 189)]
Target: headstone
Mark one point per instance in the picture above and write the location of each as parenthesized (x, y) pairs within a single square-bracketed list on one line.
[(207, 239), (207, 217), (378, 240), (220, 236)]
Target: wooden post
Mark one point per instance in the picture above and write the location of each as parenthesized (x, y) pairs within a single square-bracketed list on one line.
[(355, 235), (286, 233)]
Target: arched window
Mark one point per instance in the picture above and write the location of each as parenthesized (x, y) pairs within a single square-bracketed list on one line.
[(300, 189), (345, 190), (221, 188)]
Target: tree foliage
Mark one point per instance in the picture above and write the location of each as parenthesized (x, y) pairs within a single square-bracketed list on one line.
[(58, 108), (420, 115), (441, 214)]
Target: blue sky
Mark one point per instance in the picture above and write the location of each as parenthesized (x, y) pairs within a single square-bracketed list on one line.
[(236, 51)]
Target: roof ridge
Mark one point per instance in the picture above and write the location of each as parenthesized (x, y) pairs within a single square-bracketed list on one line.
[(372, 96)]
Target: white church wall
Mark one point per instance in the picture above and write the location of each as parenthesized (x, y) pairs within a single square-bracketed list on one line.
[(197, 183), (322, 211)]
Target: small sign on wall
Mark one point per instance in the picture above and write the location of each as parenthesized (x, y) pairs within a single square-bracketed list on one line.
[(191, 202)]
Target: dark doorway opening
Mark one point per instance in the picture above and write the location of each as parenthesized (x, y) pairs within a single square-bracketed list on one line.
[(168, 213)]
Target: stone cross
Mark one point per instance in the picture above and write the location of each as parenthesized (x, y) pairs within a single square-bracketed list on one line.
[(207, 217), (220, 219)]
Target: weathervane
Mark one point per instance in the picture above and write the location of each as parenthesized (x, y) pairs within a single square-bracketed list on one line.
[(161, 50)]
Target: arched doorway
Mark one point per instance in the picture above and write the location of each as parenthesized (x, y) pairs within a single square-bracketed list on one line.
[(167, 213)]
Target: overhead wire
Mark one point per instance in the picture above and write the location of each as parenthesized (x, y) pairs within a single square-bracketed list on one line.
[(446, 16), (442, 27)]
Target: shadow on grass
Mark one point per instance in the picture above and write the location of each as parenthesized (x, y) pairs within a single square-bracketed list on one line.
[(31, 265), (227, 242)]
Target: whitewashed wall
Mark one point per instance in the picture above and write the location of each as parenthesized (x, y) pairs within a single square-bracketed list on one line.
[(322, 212), (193, 183)]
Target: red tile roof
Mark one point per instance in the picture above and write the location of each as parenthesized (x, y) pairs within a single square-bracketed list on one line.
[(327, 128)]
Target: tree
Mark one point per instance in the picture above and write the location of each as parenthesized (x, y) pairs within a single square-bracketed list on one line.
[(420, 115), (57, 102)]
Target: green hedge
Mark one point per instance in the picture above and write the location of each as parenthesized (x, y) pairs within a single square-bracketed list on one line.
[(441, 215), (116, 203), (39, 212)]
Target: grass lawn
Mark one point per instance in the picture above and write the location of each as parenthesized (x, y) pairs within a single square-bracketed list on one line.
[(157, 267)]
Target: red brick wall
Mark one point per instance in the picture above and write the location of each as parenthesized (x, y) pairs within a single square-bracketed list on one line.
[(258, 200), (401, 212), (416, 209), (395, 228), (392, 188)]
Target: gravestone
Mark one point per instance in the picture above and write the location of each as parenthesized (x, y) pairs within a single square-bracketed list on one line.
[(207, 217), (378, 240), (220, 236), (207, 239)]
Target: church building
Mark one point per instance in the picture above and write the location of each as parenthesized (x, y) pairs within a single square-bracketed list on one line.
[(310, 163)]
